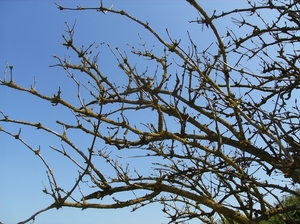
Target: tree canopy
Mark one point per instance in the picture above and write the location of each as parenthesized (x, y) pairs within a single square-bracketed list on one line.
[(209, 132)]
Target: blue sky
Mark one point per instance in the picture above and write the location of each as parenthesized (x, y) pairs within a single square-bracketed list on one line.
[(30, 32)]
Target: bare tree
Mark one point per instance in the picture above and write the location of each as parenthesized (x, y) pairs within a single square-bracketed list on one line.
[(219, 134)]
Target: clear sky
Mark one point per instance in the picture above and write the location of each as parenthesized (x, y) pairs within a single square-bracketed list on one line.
[(30, 32)]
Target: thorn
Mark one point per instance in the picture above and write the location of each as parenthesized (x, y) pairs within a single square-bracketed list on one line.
[(37, 152), (110, 8), (18, 135), (34, 84), (11, 76)]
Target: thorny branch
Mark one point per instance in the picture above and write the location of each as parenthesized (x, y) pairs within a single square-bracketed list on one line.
[(218, 126)]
